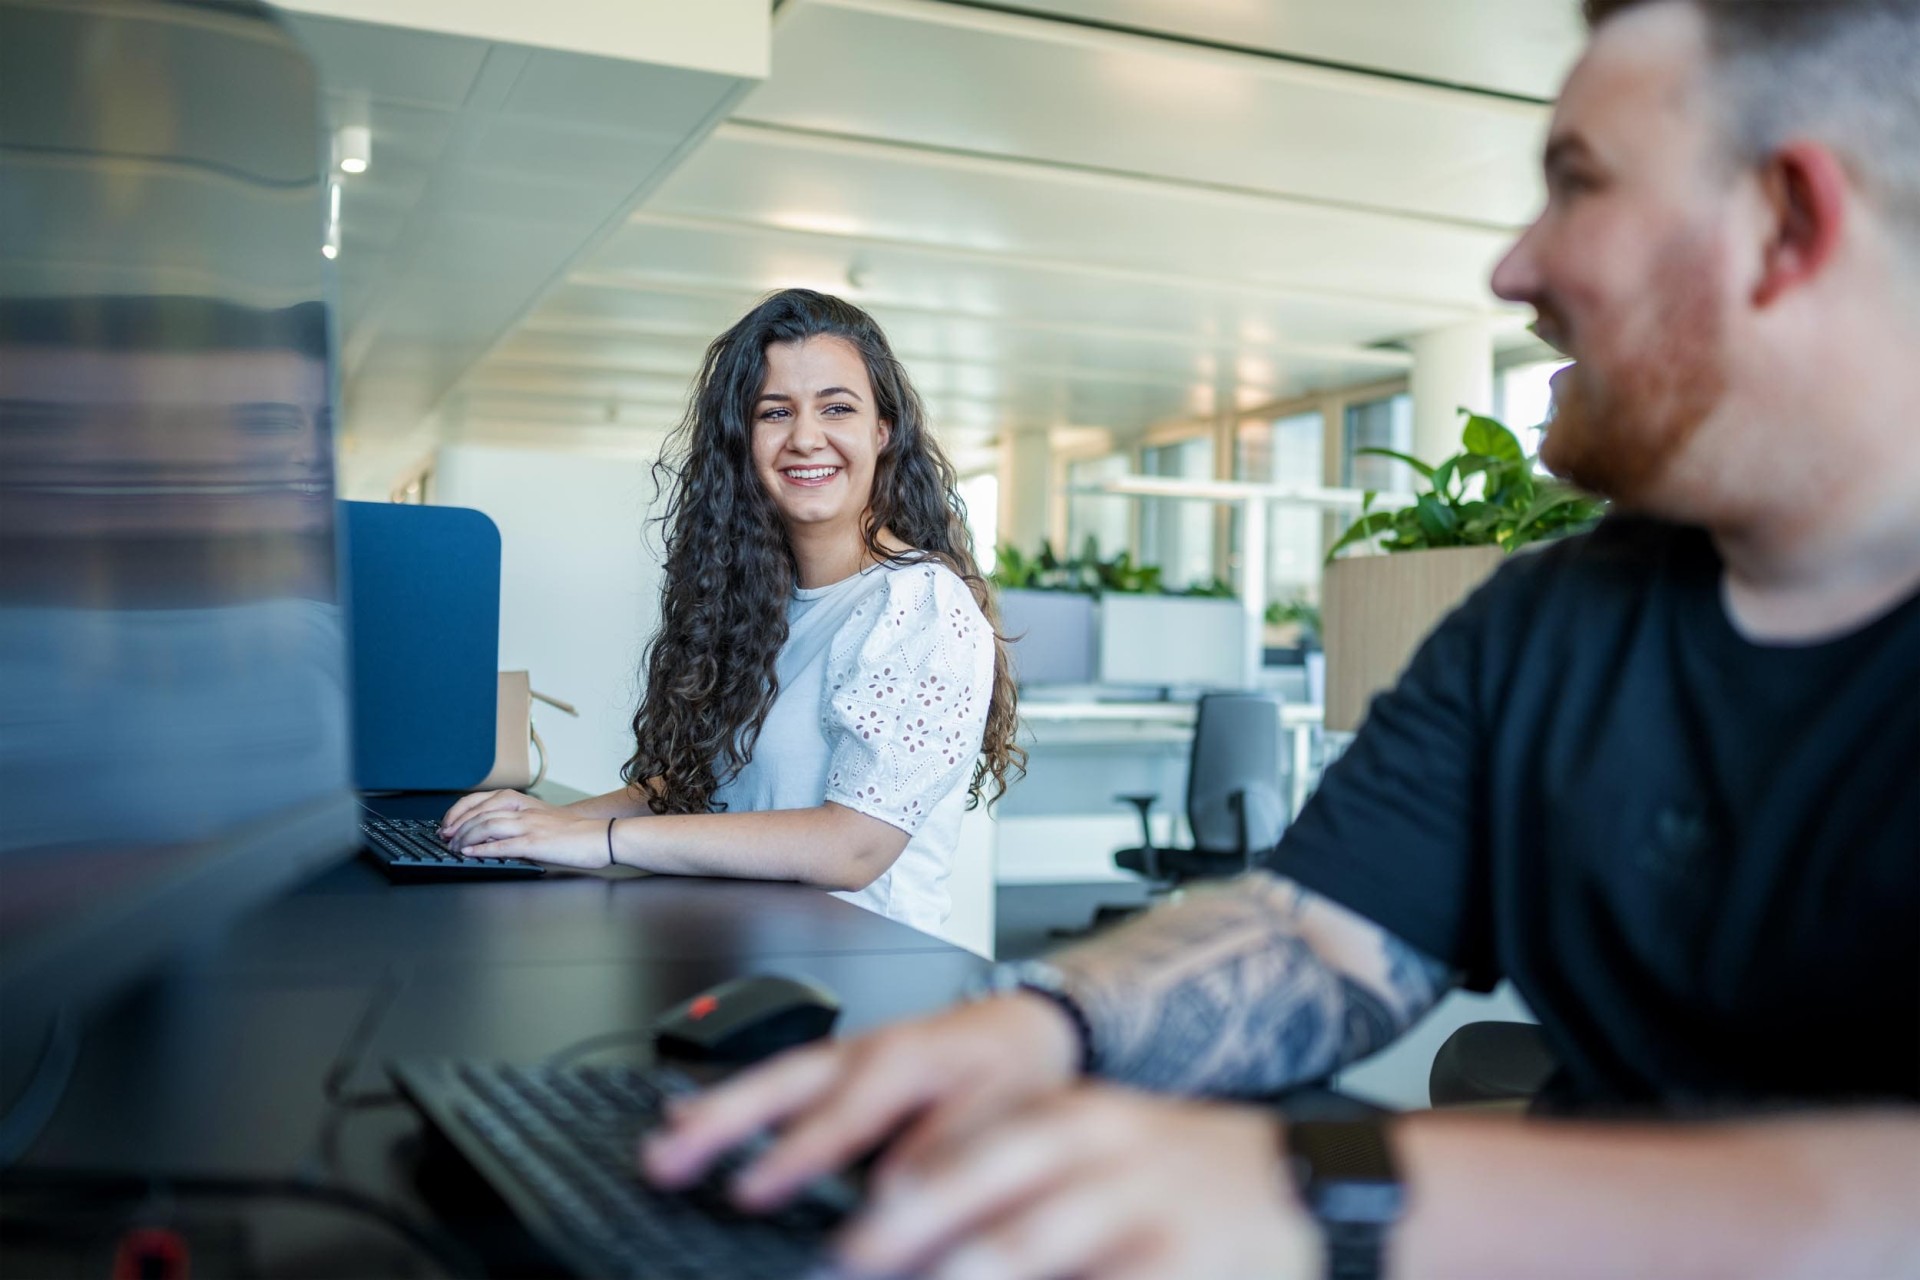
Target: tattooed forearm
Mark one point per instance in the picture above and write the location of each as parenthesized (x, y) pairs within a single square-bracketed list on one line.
[(1246, 989)]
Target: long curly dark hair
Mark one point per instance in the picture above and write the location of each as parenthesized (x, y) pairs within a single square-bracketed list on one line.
[(730, 571)]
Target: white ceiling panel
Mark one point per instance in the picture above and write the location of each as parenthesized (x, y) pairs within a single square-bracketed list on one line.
[(1521, 47), (1113, 217), (493, 166), (596, 319), (1046, 91), (901, 195), (1070, 293)]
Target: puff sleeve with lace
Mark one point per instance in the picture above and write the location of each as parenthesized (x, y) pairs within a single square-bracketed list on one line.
[(909, 676)]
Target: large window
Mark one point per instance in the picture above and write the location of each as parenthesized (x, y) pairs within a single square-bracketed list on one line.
[(1288, 451), (1523, 399), (1177, 534), (1386, 423), (1107, 520), (981, 494)]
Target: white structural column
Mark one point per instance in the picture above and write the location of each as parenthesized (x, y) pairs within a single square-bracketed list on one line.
[(1026, 488), (1452, 369), (1253, 583)]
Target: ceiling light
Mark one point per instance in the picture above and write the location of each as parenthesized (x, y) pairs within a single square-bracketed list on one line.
[(330, 247), (352, 148)]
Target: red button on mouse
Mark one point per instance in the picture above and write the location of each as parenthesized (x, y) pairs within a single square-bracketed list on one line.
[(746, 1019)]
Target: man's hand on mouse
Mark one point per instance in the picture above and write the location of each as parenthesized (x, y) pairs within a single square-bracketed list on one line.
[(1096, 1182), (919, 1083)]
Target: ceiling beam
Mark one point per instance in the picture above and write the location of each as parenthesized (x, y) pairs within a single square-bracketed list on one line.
[(516, 353), (1055, 29), (1090, 177), (649, 282), (1441, 311)]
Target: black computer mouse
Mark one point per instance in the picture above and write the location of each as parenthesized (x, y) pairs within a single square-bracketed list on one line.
[(746, 1019)]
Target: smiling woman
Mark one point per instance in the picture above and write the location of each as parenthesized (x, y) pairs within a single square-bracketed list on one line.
[(828, 691)]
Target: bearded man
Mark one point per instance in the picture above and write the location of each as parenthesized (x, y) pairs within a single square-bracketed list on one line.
[(1665, 777)]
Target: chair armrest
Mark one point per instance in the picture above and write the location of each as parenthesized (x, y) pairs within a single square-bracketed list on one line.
[(1486, 1062), (1144, 803), (1259, 814)]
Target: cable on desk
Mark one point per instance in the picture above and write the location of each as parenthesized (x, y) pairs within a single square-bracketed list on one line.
[(325, 1161), (569, 1054), (451, 1257), (21, 1123), (347, 1061)]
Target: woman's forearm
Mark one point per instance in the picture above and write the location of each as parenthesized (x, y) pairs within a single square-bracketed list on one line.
[(626, 802), (827, 846), (1830, 1195)]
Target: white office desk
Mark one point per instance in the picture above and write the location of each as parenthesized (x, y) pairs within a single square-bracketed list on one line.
[(1062, 823), (1087, 722)]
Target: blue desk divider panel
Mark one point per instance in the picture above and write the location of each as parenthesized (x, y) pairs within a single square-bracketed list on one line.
[(423, 610)]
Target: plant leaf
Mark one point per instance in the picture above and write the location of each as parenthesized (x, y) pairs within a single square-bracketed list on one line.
[(1484, 435), (1436, 520), (1367, 526), (1371, 452), (1547, 503)]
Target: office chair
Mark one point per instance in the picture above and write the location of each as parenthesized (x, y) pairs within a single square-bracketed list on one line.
[(1236, 799), (1486, 1063)]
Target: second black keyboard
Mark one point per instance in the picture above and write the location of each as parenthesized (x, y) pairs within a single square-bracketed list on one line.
[(559, 1145)]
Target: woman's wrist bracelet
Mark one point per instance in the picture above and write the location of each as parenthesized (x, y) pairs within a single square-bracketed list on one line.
[(610, 822)]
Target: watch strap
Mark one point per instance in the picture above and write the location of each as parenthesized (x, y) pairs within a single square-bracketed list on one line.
[(1355, 1250), (1348, 1180), (1045, 980)]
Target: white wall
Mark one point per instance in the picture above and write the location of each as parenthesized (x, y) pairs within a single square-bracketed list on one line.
[(579, 588)]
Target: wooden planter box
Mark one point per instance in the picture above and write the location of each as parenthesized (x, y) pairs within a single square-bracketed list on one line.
[(1375, 611)]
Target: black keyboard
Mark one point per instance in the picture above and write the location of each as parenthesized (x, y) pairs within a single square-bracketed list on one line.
[(411, 849), (559, 1144)]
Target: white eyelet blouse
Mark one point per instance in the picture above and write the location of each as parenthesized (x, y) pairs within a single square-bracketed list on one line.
[(884, 685)]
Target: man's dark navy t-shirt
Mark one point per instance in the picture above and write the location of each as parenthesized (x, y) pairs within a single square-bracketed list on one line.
[(1697, 858)]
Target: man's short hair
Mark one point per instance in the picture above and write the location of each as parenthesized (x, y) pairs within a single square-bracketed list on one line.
[(1842, 72)]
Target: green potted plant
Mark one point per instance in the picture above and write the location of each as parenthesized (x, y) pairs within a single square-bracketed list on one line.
[(1298, 619), (1478, 505), (1511, 506)]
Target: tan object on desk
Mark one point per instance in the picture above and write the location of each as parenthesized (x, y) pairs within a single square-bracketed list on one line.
[(1375, 611), (515, 738)]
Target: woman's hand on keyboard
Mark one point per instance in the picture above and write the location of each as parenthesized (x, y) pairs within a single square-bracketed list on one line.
[(481, 803), (507, 824), (919, 1083)]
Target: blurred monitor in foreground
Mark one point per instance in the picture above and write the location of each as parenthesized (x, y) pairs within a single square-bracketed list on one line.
[(173, 724)]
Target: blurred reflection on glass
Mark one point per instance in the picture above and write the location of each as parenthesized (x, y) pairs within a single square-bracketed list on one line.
[(171, 654)]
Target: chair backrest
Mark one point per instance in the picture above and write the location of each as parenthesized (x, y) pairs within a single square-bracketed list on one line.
[(1236, 749)]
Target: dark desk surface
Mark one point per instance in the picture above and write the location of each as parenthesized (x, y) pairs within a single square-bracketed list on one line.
[(218, 1067)]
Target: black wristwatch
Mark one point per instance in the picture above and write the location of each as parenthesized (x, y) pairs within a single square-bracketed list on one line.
[(1042, 979), (1346, 1176)]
